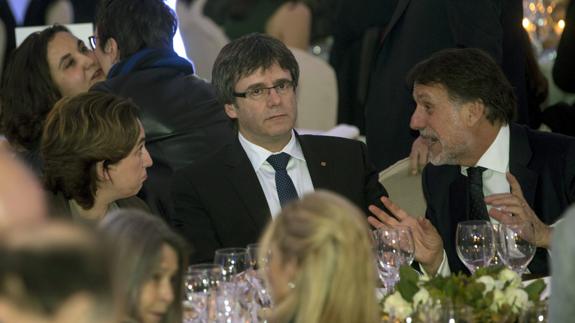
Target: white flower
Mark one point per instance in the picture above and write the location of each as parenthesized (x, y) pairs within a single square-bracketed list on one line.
[(397, 307), (421, 297), (511, 277), (489, 283), (498, 300), (517, 298)]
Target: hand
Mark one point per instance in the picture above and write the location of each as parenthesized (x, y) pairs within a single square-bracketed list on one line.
[(427, 242), (511, 208), (418, 156)]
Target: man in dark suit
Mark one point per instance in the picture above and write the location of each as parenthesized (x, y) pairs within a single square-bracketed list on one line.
[(483, 166), (226, 199), (418, 29)]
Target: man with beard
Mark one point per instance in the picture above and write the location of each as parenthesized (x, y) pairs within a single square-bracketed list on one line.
[(483, 167)]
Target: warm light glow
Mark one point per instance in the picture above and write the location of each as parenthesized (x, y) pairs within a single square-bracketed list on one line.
[(526, 23), (532, 6), (561, 24)]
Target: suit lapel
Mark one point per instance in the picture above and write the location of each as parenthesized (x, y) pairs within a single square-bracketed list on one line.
[(246, 184), (519, 157), (320, 167)]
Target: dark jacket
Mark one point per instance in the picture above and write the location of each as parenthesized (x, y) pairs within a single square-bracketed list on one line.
[(181, 116), (219, 201), (544, 165)]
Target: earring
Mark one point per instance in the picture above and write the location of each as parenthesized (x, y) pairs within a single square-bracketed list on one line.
[(291, 285)]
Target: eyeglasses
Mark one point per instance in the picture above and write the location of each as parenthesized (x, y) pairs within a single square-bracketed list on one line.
[(92, 40), (261, 93)]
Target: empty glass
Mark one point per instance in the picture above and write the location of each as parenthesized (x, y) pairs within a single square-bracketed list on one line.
[(201, 283), (475, 244), (233, 261), (388, 256), (513, 246), (406, 244)]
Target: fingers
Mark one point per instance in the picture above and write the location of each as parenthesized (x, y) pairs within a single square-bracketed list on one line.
[(418, 156), (395, 210), (500, 216), (515, 187), (382, 216), (375, 222)]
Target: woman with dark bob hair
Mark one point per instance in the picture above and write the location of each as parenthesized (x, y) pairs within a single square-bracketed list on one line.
[(94, 156), (48, 65), (150, 261)]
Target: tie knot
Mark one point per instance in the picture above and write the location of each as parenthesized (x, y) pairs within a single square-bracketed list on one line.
[(474, 173), (279, 161)]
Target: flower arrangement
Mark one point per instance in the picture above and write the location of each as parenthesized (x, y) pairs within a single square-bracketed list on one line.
[(492, 294)]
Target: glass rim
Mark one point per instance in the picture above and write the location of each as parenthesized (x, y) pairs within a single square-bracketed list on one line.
[(231, 251)]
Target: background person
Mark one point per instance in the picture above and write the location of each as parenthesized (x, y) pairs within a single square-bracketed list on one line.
[(181, 116), (320, 262), (48, 65), (149, 265), (55, 273), (94, 154)]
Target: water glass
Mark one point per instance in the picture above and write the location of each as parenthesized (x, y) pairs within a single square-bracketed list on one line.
[(474, 243), (233, 260), (388, 256), (513, 246), (201, 284)]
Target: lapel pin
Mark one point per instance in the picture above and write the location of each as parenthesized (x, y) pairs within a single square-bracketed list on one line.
[(323, 163)]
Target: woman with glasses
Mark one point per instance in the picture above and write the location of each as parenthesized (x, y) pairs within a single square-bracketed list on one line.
[(320, 266), (47, 66)]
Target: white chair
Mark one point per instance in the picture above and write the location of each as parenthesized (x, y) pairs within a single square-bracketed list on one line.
[(317, 92), (403, 188), (202, 38)]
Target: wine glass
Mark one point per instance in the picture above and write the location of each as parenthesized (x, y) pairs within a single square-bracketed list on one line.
[(234, 261), (256, 295), (201, 283), (388, 256), (475, 243), (513, 246), (406, 244)]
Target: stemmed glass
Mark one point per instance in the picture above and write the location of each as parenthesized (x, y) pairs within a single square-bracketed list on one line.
[(513, 246), (388, 256), (257, 294), (474, 242), (406, 244), (201, 283), (234, 261)]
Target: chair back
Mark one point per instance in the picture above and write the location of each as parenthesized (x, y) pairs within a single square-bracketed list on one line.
[(403, 188), (202, 38), (316, 92)]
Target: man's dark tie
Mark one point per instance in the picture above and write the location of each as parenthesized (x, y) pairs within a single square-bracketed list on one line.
[(477, 207), (284, 185)]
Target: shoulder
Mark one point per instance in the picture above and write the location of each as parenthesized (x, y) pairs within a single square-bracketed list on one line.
[(330, 141), (133, 202)]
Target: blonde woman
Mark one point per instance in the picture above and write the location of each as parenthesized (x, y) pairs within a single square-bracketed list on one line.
[(320, 264)]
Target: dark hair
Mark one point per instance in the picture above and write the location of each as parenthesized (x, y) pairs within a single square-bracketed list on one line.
[(41, 274), (81, 131), (246, 55), (28, 91), (137, 238), (469, 74), (136, 24)]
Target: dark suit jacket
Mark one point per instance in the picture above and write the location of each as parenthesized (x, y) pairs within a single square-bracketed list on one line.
[(544, 165), (416, 30), (219, 201)]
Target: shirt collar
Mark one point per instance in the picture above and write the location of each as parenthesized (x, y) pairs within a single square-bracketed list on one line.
[(496, 157), (258, 155)]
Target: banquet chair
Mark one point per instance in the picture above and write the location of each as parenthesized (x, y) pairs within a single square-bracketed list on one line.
[(316, 92), (202, 38), (404, 189)]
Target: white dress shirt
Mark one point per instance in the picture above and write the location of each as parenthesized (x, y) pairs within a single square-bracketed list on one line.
[(496, 161), (296, 169)]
